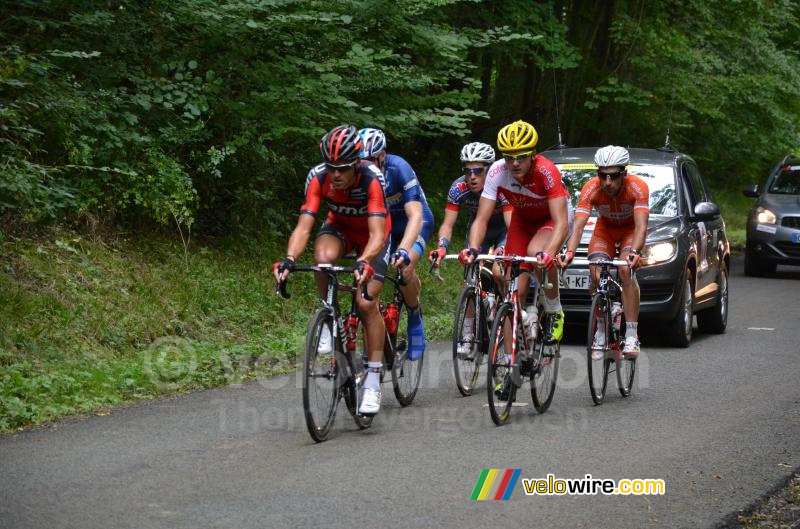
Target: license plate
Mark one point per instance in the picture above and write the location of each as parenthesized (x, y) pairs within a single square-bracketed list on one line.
[(796, 237), (576, 281)]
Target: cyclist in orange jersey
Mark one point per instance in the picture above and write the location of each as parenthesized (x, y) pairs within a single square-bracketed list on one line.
[(622, 203)]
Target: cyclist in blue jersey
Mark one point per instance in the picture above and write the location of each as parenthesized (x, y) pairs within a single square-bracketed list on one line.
[(412, 226)]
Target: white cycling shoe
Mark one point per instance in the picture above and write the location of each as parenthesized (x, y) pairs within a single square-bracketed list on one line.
[(371, 403), (598, 345), (325, 343), (631, 347)]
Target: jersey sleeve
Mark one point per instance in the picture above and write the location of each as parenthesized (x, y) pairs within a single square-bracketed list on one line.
[(408, 179), (641, 194), (454, 197), (492, 177), (551, 178), (504, 204), (376, 203), (586, 200), (313, 195)]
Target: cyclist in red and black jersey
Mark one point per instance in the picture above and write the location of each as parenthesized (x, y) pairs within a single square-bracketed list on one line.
[(357, 221)]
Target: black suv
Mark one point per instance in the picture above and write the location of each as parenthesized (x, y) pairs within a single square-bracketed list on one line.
[(687, 254)]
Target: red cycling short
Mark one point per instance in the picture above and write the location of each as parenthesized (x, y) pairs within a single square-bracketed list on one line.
[(520, 233)]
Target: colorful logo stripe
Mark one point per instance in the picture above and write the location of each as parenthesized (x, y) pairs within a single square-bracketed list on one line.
[(495, 484)]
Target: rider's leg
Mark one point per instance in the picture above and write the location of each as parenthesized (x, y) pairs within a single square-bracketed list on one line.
[(630, 305), (411, 292), (328, 249), (552, 300)]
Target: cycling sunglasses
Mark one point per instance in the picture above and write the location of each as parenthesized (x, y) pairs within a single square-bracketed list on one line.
[(613, 176), (468, 171), (521, 157), (341, 168)]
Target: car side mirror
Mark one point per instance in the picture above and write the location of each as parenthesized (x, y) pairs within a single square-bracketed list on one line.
[(706, 211), (751, 191)]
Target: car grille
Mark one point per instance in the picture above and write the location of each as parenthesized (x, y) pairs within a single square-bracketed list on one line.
[(789, 248), (791, 222)]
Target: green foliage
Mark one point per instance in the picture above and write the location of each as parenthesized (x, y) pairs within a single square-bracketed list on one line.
[(195, 107)]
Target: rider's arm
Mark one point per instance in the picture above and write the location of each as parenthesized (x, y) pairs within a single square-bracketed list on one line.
[(300, 236), (446, 229), (640, 219), (308, 213), (414, 226), (478, 231), (507, 215), (377, 238), (558, 212), (641, 212), (376, 221), (582, 212), (577, 232)]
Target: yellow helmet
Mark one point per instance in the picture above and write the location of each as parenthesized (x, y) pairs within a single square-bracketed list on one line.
[(517, 136)]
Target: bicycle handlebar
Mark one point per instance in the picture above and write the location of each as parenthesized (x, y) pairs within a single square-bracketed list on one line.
[(600, 262), (280, 289)]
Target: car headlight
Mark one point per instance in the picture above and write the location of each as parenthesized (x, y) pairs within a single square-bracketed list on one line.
[(658, 252), (765, 216)]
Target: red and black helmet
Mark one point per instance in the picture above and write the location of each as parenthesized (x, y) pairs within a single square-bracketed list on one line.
[(340, 145)]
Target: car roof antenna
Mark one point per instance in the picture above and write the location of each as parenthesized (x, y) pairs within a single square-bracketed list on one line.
[(561, 144), (666, 147)]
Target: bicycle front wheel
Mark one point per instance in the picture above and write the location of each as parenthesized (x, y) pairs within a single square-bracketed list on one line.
[(406, 373), (321, 376), (467, 353), (598, 352), (500, 386), (543, 381)]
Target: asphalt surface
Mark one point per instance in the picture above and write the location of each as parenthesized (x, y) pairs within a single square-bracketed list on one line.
[(719, 422)]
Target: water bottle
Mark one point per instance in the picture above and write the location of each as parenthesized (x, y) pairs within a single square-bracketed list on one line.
[(616, 315), (530, 316), (490, 305)]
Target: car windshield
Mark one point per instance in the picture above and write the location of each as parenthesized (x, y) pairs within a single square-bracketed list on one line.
[(787, 182), (659, 178)]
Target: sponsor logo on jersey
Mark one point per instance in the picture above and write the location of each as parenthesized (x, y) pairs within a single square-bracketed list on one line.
[(344, 209)]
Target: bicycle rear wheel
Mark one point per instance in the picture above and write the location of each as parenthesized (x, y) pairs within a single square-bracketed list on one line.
[(406, 373), (467, 337), (500, 387), (543, 381), (353, 387), (598, 368), (321, 378)]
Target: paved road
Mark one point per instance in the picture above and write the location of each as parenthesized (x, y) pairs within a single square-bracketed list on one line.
[(718, 422)]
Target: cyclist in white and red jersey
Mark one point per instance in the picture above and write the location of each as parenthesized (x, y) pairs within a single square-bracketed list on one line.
[(357, 221), (540, 210), (622, 201)]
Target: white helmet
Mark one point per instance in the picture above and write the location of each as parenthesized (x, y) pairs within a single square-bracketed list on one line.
[(373, 142), (477, 152), (612, 156)]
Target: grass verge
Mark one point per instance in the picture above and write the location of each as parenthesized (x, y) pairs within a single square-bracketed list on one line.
[(88, 323)]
